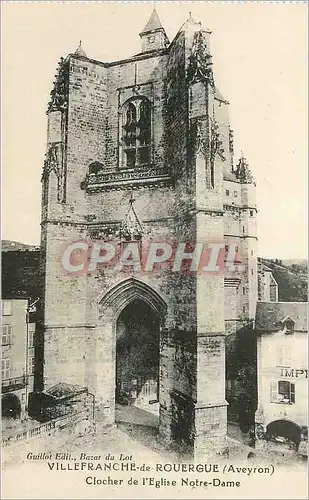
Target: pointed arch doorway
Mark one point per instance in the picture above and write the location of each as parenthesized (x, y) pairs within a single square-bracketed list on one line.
[(137, 364), (135, 313)]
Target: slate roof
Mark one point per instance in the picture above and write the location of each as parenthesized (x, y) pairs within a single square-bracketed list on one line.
[(270, 314), (153, 24), (62, 390)]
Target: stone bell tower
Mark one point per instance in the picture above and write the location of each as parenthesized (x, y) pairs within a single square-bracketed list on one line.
[(154, 125)]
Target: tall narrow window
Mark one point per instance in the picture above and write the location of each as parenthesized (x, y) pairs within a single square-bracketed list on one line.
[(5, 368), (136, 136), (6, 334)]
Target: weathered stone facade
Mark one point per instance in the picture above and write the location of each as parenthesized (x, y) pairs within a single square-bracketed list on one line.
[(282, 339), (186, 189)]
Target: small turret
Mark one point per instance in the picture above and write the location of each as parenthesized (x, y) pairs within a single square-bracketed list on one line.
[(153, 35), (80, 51), (243, 172)]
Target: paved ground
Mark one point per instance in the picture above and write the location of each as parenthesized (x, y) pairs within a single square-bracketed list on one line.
[(137, 431), (136, 415), (140, 442)]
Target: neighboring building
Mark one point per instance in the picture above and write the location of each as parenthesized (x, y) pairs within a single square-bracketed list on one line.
[(17, 356), (157, 124), (282, 366), (267, 286)]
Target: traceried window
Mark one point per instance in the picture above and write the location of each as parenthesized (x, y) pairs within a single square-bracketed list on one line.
[(282, 392), (136, 133)]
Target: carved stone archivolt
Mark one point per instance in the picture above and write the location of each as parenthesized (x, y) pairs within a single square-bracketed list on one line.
[(131, 227), (200, 62)]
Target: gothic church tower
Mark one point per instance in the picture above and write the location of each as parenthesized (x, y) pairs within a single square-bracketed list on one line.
[(141, 150)]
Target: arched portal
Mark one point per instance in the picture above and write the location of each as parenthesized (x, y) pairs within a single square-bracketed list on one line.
[(11, 406), (285, 429), (137, 361), (132, 321)]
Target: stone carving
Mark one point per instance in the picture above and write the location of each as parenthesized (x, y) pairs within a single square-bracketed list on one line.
[(106, 232), (200, 141), (200, 63), (216, 147), (243, 172), (59, 94), (54, 162), (136, 89), (131, 227), (123, 178)]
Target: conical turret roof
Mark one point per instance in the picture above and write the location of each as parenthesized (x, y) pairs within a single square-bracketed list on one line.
[(80, 51), (153, 24)]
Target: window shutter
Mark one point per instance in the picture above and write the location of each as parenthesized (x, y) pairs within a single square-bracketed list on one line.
[(284, 356), (292, 393)]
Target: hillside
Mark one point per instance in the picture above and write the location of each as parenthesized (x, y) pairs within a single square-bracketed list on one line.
[(8, 245), (292, 278)]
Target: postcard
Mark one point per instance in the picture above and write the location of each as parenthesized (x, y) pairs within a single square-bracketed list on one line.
[(154, 250)]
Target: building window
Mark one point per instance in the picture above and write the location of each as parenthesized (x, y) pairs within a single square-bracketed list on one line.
[(251, 213), (227, 191), (235, 194), (284, 356), (5, 368), (252, 252), (6, 308), (243, 291), (252, 272), (136, 133), (243, 309), (32, 365), (243, 229), (30, 337), (282, 392), (6, 334)]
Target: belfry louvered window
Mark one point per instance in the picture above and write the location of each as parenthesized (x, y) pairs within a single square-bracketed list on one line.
[(136, 133)]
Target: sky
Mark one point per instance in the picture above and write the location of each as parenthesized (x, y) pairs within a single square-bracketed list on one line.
[(260, 66)]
